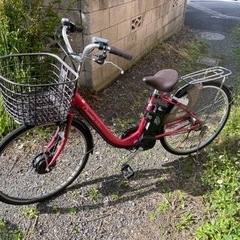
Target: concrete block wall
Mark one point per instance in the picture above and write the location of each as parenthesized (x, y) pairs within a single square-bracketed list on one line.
[(133, 25)]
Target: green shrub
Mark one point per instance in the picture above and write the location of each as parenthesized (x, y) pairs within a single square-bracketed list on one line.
[(25, 26)]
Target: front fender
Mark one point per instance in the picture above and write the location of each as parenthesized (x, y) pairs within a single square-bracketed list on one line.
[(85, 128)]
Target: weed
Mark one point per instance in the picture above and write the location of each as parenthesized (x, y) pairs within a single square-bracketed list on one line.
[(56, 209), (139, 188), (190, 64), (125, 123), (181, 195), (186, 57), (170, 196), (30, 213), (115, 196), (75, 230), (94, 194), (152, 216), (186, 220), (73, 211), (76, 194), (125, 183), (232, 124), (7, 232), (163, 207)]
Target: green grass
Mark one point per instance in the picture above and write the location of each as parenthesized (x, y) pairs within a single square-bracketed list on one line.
[(6, 123), (195, 50), (182, 52), (94, 194), (185, 221), (222, 179), (73, 211), (7, 232), (236, 32), (30, 213), (125, 123), (163, 207)]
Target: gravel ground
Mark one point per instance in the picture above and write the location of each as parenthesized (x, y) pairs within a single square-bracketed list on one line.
[(162, 201)]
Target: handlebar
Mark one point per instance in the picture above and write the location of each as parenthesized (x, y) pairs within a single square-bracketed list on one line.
[(120, 52), (98, 43), (71, 26)]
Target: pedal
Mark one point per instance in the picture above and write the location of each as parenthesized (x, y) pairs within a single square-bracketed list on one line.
[(127, 171)]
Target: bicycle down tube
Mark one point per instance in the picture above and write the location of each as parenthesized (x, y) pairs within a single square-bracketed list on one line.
[(101, 127)]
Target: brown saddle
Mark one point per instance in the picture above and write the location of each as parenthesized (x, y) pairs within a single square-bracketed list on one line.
[(165, 80)]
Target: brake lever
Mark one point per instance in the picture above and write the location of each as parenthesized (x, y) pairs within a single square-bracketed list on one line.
[(100, 59), (115, 65)]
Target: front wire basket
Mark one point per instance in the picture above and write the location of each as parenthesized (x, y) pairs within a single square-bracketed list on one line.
[(37, 88)]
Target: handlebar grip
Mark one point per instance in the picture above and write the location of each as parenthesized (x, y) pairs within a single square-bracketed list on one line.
[(121, 53), (74, 28), (71, 26)]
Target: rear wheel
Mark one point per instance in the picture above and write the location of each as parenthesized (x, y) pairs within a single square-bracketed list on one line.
[(23, 179), (213, 109)]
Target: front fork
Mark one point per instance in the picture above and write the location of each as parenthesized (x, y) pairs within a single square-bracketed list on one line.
[(45, 161), (59, 140)]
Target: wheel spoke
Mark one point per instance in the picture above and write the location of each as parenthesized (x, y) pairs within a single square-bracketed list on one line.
[(212, 109), (19, 180)]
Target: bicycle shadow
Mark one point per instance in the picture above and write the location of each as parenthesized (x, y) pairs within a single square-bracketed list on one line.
[(180, 174)]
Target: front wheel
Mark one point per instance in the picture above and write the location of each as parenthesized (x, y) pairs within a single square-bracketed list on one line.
[(213, 108), (20, 183)]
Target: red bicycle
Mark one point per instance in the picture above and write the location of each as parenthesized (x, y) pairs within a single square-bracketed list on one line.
[(48, 152)]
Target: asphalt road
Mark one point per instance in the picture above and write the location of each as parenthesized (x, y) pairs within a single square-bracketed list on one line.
[(212, 15), (214, 21)]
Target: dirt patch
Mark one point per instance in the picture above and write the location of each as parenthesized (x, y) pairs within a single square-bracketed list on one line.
[(163, 201)]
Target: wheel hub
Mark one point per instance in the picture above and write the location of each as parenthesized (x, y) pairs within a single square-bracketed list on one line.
[(40, 163)]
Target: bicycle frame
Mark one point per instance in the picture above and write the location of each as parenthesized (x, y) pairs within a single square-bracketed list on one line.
[(131, 141)]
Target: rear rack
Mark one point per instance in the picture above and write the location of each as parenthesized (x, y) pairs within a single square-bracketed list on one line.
[(205, 75)]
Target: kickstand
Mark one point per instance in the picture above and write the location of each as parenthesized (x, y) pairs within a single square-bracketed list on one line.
[(126, 169)]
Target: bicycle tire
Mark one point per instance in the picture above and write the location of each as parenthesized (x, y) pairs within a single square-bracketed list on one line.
[(20, 184), (213, 108)]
